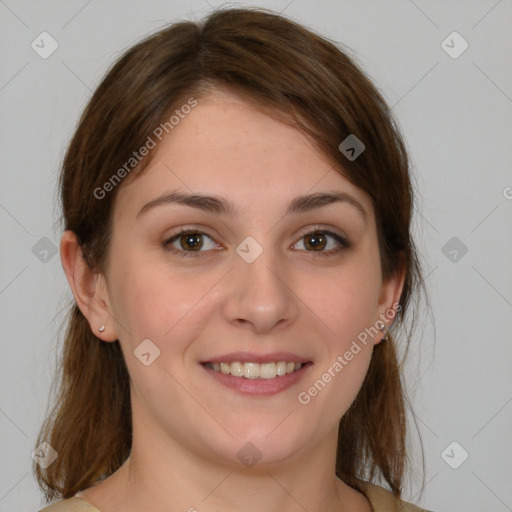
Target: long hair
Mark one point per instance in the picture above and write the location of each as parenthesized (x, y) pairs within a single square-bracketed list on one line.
[(290, 72)]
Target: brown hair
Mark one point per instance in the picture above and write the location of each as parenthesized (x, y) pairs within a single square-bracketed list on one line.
[(286, 69)]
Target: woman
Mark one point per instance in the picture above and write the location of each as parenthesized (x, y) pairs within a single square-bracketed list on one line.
[(237, 207)]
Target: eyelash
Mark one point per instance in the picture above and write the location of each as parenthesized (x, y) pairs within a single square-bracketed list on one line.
[(343, 242)]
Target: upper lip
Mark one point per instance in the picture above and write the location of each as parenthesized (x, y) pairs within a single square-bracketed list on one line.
[(252, 357)]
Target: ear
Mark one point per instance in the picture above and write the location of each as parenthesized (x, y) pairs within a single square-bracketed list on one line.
[(89, 287), (388, 306)]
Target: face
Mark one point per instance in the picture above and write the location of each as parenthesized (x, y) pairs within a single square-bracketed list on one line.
[(280, 281)]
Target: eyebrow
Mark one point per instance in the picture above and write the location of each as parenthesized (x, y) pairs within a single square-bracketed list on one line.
[(220, 205)]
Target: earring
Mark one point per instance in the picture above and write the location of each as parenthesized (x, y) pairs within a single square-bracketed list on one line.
[(101, 329), (382, 327)]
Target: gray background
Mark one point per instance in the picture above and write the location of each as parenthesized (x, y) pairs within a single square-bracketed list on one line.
[(456, 114)]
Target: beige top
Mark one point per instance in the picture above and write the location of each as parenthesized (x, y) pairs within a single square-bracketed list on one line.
[(380, 499)]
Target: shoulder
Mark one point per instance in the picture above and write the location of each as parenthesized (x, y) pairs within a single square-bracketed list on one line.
[(70, 505), (383, 500)]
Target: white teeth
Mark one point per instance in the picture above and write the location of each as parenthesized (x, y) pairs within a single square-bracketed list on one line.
[(268, 370), (281, 368), (237, 369)]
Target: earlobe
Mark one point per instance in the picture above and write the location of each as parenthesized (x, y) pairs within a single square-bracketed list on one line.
[(87, 287), (389, 301)]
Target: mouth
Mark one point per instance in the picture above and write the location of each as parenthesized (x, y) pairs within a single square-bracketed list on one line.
[(257, 379), (252, 370)]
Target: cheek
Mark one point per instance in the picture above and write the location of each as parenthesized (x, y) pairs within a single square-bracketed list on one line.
[(151, 301), (348, 307), (346, 300), (335, 383)]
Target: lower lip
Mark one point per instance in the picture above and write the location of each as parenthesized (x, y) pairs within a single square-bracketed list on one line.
[(259, 387)]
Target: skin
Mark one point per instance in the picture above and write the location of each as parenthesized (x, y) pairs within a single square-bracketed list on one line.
[(188, 428)]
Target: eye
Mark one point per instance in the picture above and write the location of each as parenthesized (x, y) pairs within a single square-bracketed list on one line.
[(318, 240), (188, 241)]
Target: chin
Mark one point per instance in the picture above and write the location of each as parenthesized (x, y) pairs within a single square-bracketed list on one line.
[(265, 447)]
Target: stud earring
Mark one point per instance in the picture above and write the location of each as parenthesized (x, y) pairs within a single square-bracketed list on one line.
[(382, 327), (101, 329)]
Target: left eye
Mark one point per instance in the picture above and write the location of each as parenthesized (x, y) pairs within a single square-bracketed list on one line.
[(318, 240)]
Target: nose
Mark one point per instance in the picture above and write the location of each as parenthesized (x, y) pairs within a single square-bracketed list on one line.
[(260, 294)]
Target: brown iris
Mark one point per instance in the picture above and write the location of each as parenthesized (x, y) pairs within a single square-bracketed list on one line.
[(317, 240), (192, 241)]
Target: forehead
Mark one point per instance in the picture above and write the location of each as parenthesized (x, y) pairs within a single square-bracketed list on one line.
[(229, 147)]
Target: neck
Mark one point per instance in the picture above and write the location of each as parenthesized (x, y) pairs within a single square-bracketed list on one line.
[(163, 475)]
